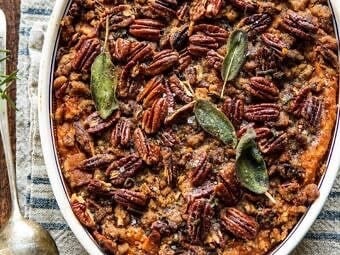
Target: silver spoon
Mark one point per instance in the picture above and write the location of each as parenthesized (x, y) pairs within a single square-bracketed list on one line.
[(18, 236)]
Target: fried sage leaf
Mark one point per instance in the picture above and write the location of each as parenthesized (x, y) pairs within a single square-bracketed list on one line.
[(215, 122), (237, 48), (103, 85), (251, 169), (104, 82)]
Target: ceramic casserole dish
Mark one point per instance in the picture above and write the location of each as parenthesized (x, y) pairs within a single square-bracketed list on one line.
[(50, 145)]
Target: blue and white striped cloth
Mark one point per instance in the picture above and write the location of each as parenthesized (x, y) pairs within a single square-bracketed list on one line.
[(34, 186)]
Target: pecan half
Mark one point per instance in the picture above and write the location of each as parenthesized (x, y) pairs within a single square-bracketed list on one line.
[(261, 132), (299, 101), (87, 51), (119, 171), (201, 171), (170, 98), (262, 112), (245, 5), (139, 52), (228, 189), (121, 134), (100, 188), (256, 23), (298, 26), (311, 110), (170, 169), (275, 43), (149, 152), (128, 86), (97, 161), (83, 138), (199, 220), (179, 39), (207, 8), (82, 214), (121, 16), (197, 10), (163, 8), (214, 59), (201, 43), (328, 54), (183, 11), (234, 110), (147, 29), (267, 60), (273, 144), (161, 62), (205, 191), (177, 89), (152, 91), (184, 60), (105, 242), (239, 224), (154, 117), (121, 49), (328, 49), (307, 106), (218, 33), (213, 7), (94, 123), (262, 88), (131, 200)]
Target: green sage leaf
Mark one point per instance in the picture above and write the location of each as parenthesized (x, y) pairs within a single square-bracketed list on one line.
[(237, 48), (103, 85), (251, 168), (214, 122)]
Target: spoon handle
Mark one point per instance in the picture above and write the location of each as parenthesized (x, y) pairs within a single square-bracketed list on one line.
[(4, 128)]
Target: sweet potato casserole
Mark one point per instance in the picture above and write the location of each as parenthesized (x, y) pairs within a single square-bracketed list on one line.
[(194, 127)]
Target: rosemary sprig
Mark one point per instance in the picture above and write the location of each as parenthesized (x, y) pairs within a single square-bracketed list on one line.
[(6, 80)]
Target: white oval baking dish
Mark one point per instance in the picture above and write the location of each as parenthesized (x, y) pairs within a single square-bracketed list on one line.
[(53, 167)]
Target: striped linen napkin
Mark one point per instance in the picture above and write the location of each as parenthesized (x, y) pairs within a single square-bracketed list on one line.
[(34, 186)]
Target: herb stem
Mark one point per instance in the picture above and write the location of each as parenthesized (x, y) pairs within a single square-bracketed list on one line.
[(106, 33), (223, 88), (270, 197)]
